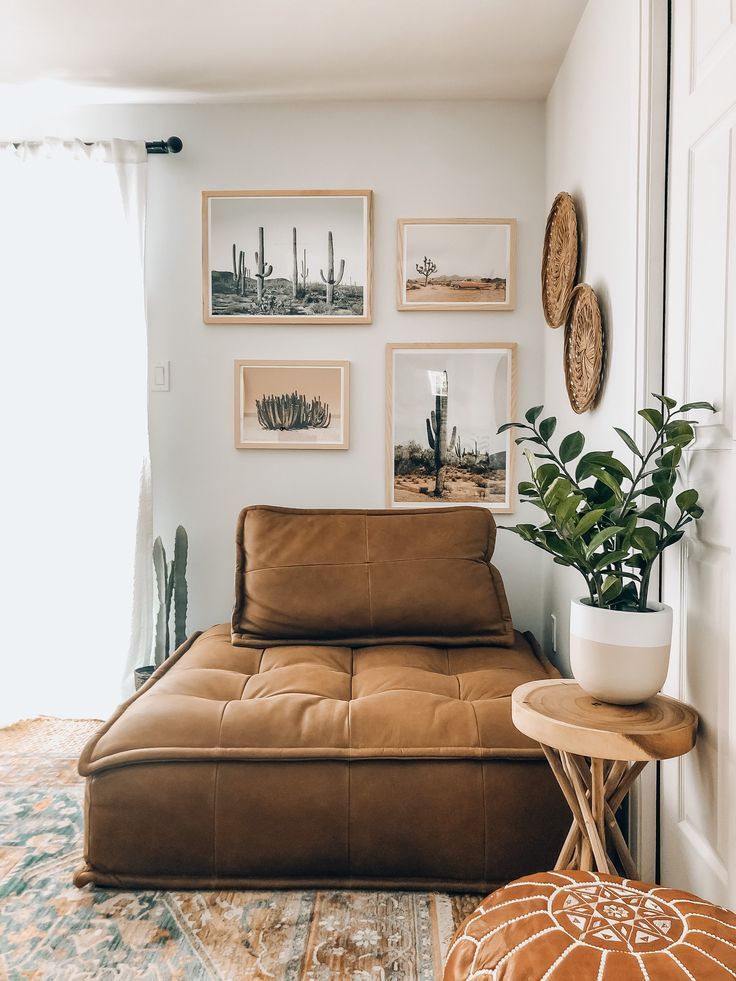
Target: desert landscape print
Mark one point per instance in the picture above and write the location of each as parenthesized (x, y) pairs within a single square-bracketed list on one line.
[(456, 264), (290, 405), (287, 256), (446, 407)]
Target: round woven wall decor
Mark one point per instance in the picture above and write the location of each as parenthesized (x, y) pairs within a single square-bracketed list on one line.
[(559, 259), (583, 349)]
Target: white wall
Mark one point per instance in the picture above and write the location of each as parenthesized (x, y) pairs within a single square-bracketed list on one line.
[(593, 146), (450, 159)]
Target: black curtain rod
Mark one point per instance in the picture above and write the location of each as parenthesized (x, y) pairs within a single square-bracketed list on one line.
[(172, 145)]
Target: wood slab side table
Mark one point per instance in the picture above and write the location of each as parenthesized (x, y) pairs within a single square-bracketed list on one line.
[(596, 751)]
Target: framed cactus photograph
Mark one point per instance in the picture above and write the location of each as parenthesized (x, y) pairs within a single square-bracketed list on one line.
[(445, 403), (292, 405), (456, 264), (286, 257)]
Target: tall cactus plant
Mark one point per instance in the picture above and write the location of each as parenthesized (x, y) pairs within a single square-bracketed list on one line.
[(263, 269), (161, 638), (304, 273), (181, 590), (295, 267), (171, 584), (330, 280), (437, 437), (240, 270)]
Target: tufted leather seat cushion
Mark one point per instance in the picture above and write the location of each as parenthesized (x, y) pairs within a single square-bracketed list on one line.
[(587, 925), (395, 765), (368, 577), (220, 702)]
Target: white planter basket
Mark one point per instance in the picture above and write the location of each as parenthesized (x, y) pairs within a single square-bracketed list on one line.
[(617, 656)]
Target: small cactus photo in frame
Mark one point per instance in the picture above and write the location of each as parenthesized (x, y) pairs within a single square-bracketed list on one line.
[(286, 257), (292, 405), (445, 403), (456, 264)]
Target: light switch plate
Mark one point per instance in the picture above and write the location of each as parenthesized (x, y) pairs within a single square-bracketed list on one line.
[(160, 376)]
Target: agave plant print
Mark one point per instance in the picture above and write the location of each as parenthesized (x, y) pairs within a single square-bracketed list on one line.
[(292, 405)]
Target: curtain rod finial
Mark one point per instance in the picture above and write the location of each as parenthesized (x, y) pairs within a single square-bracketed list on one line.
[(174, 144)]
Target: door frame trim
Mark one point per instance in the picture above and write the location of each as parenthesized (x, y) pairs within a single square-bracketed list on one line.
[(653, 140)]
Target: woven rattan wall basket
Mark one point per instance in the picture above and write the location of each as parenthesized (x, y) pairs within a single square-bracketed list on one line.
[(559, 259), (583, 349)]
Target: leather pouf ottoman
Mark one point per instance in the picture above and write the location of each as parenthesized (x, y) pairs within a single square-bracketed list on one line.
[(582, 926)]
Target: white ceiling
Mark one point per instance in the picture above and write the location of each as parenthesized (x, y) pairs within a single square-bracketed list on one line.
[(248, 50)]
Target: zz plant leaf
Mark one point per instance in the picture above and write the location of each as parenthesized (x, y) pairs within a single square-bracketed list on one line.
[(601, 519)]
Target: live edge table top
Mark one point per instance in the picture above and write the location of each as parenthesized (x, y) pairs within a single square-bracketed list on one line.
[(560, 714)]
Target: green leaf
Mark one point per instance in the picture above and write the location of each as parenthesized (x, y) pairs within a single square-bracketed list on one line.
[(653, 417), (557, 490), (647, 541), (679, 428), (686, 500), (665, 400), (600, 537), (629, 442), (672, 539), (655, 512), (533, 414), (526, 487), (664, 481), (611, 588), (525, 531), (571, 446), (510, 425), (671, 458), (605, 460), (587, 521), (567, 509), (547, 427), (696, 405), (608, 479), (546, 474), (558, 545), (609, 558), (678, 442)]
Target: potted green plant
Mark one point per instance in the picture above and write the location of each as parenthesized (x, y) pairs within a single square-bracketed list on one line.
[(171, 585), (612, 523)]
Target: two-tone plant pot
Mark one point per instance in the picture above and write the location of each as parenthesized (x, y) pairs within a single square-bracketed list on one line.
[(617, 656)]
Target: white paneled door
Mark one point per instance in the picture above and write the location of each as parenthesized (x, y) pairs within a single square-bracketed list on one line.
[(698, 792)]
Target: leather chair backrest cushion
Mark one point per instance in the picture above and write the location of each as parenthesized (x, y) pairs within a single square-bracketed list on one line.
[(368, 577)]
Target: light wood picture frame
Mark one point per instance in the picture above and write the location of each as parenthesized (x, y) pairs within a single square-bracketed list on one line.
[(466, 264), (287, 257), (455, 396), (292, 405)]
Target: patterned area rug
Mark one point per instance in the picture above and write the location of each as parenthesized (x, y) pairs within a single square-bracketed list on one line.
[(50, 930)]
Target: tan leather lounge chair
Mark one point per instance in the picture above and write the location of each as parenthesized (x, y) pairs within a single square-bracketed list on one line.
[(351, 727)]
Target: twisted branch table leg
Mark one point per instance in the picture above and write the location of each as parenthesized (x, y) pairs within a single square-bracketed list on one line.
[(594, 791)]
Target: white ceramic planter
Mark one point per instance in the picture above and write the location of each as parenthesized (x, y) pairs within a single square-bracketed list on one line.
[(620, 657)]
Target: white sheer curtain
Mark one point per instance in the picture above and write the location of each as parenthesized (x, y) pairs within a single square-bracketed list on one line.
[(75, 515)]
